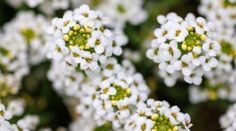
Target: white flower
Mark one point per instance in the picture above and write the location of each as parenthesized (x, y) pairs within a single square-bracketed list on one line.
[(82, 123), (184, 45), (31, 28), (82, 35), (30, 3), (13, 59), (5, 125), (122, 11), (16, 107), (228, 120), (33, 3), (111, 67), (169, 78), (220, 82), (134, 56), (48, 7), (29, 122), (66, 81), (5, 114), (13, 55), (100, 94), (221, 12), (118, 94), (197, 95), (112, 94), (9, 84), (157, 115)]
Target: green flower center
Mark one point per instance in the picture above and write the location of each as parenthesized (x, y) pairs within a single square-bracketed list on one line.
[(5, 89), (3, 68), (121, 9), (227, 3), (162, 123), (121, 93), (78, 36), (5, 52), (192, 40), (1, 113), (110, 66), (28, 34), (227, 48)]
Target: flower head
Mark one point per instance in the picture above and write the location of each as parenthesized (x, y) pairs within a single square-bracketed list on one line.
[(117, 96), (184, 45), (13, 65), (220, 82), (13, 56), (158, 116), (112, 94), (66, 82), (84, 37), (31, 28), (5, 116)]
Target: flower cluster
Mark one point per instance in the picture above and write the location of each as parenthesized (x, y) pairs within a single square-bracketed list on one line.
[(220, 82), (93, 70), (22, 43), (228, 120), (117, 96), (122, 11), (29, 122), (30, 30), (13, 55), (16, 107), (65, 82), (186, 46), (158, 116), (222, 12), (83, 39), (91, 93), (109, 95), (213, 88), (4, 117), (84, 70), (12, 63)]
